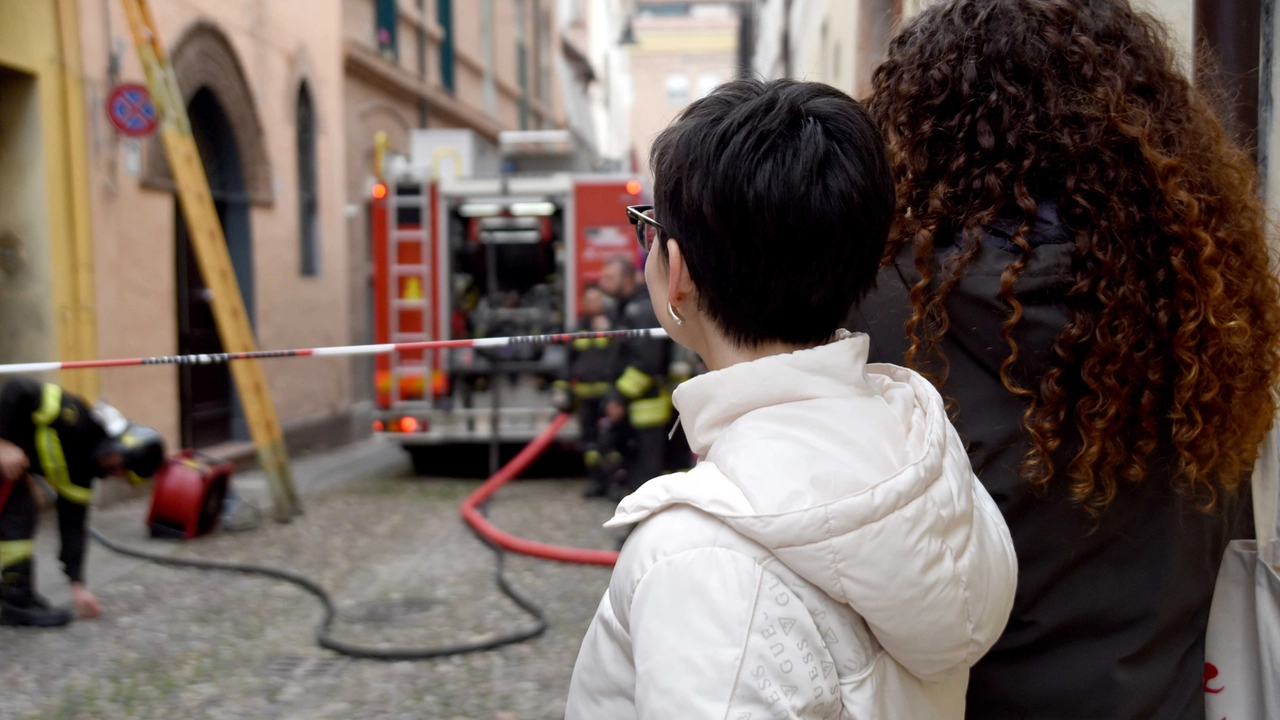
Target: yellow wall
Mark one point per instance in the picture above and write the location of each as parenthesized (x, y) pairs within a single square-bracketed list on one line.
[(691, 47), (33, 36)]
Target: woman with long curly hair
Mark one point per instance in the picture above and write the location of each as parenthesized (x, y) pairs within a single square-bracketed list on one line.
[(1080, 264)]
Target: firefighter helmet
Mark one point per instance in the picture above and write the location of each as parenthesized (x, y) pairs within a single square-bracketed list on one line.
[(141, 451)]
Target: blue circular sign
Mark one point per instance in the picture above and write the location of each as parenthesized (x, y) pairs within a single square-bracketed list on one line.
[(131, 111)]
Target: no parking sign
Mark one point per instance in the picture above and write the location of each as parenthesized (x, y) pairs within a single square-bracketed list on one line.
[(131, 111)]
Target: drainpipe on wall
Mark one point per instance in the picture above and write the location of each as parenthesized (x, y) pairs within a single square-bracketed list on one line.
[(746, 38), (423, 108), (522, 63), (81, 329), (786, 38), (1266, 100)]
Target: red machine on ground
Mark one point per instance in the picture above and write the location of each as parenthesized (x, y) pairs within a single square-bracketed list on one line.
[(469, 257), (187, 496)]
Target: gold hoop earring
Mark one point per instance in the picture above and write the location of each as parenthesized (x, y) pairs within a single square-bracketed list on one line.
[(679, 320)]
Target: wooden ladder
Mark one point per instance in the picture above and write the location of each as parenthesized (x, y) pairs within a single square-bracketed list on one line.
[(215, 262)]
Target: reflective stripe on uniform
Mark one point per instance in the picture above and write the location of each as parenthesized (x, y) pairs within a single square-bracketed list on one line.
[(650, 413), (634, 383), (587, 343), (591, 391), (50, 405), (53, 462), (13, 552), (591, 458)]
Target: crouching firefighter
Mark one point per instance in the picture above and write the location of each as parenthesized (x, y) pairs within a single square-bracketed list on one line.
[(54, 434)]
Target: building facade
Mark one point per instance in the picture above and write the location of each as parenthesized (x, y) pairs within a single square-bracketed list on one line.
[(481, 65), (598, 34), (681, 52), (47, 299), (286, 100), (264, 90), (840, 42), (837, 42)]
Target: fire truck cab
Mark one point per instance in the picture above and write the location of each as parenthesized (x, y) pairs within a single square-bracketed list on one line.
[(476, 254)]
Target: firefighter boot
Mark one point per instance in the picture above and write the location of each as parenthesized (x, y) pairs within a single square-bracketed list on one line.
[(613, 476), (21, 605), (599, 484)]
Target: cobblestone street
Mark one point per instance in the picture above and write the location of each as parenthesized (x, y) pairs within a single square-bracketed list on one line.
[(404, 570)]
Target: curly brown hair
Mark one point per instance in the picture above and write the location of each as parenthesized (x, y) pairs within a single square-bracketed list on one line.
[(991, 106)]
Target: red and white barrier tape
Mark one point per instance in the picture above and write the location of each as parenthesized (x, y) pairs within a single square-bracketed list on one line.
[(379, 349)]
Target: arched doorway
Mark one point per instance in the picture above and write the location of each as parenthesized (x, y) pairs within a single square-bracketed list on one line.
[(210, 411)]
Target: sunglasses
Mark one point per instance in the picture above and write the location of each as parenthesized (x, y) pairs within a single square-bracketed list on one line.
[(647, 228)]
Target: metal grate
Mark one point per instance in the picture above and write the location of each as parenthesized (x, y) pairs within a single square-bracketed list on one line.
[(303, 667)]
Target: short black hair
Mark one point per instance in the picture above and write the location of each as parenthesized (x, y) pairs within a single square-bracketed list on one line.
[(780, 197)]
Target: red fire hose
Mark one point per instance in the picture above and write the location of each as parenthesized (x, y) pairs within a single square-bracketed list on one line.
[(506, 541)]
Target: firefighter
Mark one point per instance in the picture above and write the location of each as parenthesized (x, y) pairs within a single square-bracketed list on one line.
[(590, 364), (55, 434), (685, 364), (640, 398)]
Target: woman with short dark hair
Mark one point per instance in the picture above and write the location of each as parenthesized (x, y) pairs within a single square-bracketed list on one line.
[(1080, 265), (832, 554)]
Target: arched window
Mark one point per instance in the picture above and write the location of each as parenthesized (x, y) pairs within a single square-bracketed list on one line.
[(308, 228)]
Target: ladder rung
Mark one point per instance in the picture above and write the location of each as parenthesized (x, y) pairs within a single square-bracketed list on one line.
[(409, 337), (410, 370), (406, 269), (404, 304), (419, 234), (409, 201)]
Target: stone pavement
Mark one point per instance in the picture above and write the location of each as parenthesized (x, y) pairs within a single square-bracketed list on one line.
[(404, 570)]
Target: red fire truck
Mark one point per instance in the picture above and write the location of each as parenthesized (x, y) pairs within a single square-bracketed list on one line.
[(461, 257)]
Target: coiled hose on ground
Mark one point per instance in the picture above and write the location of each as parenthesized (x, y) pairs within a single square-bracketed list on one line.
[(472, 513)]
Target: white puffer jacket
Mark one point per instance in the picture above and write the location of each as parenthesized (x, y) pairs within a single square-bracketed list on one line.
[(831, 556)]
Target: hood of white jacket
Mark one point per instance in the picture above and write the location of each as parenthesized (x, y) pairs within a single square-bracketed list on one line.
[(851, 475)]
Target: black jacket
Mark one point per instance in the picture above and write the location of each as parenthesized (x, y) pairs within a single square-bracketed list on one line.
[(81, 438), (1109, 618), (591, 361), (650, 357)]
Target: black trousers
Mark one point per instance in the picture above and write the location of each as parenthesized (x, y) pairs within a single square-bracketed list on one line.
[(17, 524), (648, 457), (589, 413)]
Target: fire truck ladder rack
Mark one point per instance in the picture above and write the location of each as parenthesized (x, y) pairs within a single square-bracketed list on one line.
[(409, 287)]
